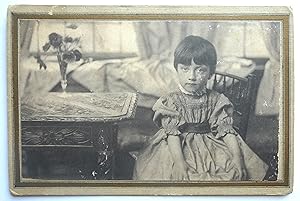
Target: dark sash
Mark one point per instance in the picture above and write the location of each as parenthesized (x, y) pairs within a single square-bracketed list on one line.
[(202, 128)]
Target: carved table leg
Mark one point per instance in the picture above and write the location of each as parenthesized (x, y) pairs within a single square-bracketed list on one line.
[(104, 142)]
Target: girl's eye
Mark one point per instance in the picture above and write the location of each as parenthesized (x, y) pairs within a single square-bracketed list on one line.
[(201, 70), (185, 69)]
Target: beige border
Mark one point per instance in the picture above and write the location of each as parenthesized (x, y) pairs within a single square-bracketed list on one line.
[(20, 186)]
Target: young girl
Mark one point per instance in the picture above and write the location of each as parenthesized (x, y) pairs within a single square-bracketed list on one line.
[(196, 140)]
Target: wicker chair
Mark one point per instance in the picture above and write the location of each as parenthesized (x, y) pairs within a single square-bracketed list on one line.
[(241, 92)]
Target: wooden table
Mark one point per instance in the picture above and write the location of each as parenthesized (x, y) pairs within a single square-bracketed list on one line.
[(63, 126)]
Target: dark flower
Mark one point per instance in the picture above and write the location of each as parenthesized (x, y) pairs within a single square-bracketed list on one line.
[(68, 39), (78, 55), (46, 47), (65, 50), (55, 40), (69, 57)]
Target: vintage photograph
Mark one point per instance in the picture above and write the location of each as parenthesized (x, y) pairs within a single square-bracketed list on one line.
[(175, 101)]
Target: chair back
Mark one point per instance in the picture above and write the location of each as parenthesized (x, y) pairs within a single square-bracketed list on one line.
[(240, 92)]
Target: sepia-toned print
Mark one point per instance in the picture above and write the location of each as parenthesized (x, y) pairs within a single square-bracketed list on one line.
[(130, 102)]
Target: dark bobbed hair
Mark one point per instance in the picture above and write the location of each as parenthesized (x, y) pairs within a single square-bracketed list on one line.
[(199, 50)]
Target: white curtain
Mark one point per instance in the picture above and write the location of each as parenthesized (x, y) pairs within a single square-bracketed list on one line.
[(267, 102), (159, 39)]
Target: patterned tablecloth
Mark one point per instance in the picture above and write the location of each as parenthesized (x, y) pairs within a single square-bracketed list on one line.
[(78, 107)]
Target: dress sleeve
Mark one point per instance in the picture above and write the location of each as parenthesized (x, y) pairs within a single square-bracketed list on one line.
[(167, 116), (221, 119)]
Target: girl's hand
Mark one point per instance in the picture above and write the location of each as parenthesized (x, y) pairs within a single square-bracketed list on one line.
[(240, 165), (180, 170)]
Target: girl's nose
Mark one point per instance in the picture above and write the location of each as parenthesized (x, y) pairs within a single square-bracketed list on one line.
[(192, 76)]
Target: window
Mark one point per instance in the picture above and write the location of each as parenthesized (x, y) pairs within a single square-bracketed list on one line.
[(98, 39)]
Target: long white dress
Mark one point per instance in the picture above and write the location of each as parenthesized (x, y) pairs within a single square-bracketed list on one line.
[(206, 154)]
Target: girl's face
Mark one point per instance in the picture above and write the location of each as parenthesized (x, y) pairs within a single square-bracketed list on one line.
[(194, 77)]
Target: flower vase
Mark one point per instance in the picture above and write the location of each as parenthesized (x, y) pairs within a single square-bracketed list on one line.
[(63, 72), (63, 84)]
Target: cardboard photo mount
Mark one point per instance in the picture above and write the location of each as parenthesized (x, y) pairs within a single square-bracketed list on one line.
[(22, 186)]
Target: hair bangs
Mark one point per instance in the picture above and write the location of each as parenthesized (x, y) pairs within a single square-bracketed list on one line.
[(195, 48)]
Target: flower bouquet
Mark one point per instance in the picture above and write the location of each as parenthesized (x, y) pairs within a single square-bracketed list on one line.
[(66, 49)]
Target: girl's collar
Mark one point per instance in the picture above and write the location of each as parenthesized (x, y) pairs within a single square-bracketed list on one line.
[(198, 93)]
